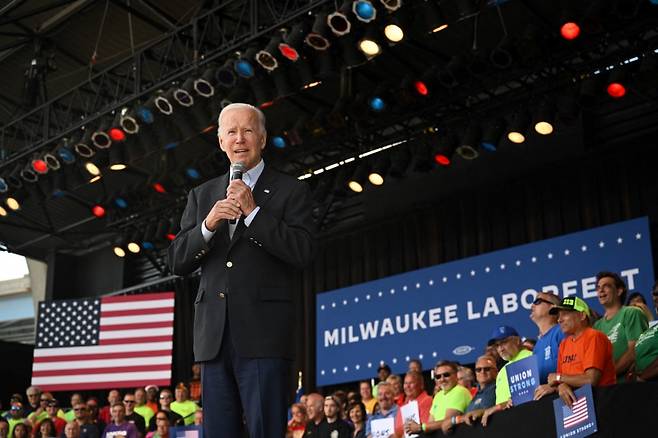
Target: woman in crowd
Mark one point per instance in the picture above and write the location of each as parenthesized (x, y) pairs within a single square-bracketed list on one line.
[(358, 416), (637, 299), (297, 423), (336, 427), (161, 426), (22, 430), (46, 429)]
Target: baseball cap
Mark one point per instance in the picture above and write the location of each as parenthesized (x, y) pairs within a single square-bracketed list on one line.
[(147, 387), (571, 303), (502, 332)]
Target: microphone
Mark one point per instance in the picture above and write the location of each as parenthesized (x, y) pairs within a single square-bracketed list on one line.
[(237, 169)]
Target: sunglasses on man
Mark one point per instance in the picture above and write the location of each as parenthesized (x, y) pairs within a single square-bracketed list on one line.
[(437, 376)]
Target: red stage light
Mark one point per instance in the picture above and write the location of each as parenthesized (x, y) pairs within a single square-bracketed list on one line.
[(159, 188), (117, 134), (289, 52), (442, 159), (267, 104), (39, 166), (171, 236), (421, 88), (98, 210), (570, 30), (616, 90)]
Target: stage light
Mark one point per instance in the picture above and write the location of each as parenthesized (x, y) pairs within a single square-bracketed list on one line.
[(445, 148), (145, 114), (292, 40), (148, 240), (544, 120), (51, 160), (421, 88), (616, 87), (65, 154), (369, 45), (192, 173), (28, 174), (318, 37), (3, 212), (133, 243), (364, 10), (12, 203), (377, 104), (393, 32), (118, 251), (433, 18), (391, 5), (243, 66), (83, 147), (570, 30), (100, 138), (339, 23), (120, 202), (117, 135), (181, 96), (279, 142), (117, 159), (163, 105), (225, 75), (378, 172), (3, 185), (39, 166), (158, 187), (128, 122), (306, 76), (356, 182), (493, 130), (203, 86), (267, 57), (98, 211), (92, 169), (468, 149), (518, 128)]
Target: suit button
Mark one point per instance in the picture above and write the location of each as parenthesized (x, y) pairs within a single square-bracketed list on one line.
[(222, 295), (229, 264)]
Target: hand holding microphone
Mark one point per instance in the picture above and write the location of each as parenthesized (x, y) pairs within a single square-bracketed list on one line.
[(236, 174), (239, 191)]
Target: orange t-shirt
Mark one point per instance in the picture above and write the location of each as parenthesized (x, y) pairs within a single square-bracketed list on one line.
[(591, 349), (424, 405)]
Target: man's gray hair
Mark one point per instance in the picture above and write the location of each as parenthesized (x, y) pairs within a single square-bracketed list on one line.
[(240, 105)]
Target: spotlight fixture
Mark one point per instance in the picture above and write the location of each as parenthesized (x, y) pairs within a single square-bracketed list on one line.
[(92, 169), (28, 174), (369, 45), (243, 66), (132, 243), (393, 31), (291, 41), (544, 120), (98, 210), (377, 104), (518, 128), (279, 141), (129, 122), (64, 153), (318, 37), (468, 149), (3, 212), (357, 181), (616, 87), (225, 75), (100, 138), (192, 173), (117, 158), (434, 20), (120, 202), (262, 87), (51, 160), (493, 130), (364, 10), (570, 30), (158, 187), (145, 112), (12, 203), (378, 171), (267, 57), (203, 86), (391, 5), (39, 165), (83, 147), (447, 145), (116, 132), (119, 251), (339, 23)]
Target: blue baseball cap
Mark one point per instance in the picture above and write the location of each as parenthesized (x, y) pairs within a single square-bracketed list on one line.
[(502, 332)]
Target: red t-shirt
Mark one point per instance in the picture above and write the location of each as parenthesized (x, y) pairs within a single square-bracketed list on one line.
[(591, 349), (424, 405)]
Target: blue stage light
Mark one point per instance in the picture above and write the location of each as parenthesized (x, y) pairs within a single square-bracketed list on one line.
[(171, 145), (244, 68), (192, 173), (364, 10), (279, 142), (147, 245), (120, 202), (377, 104), (66, 155), (145, 115), (3, 186), (488, 146)]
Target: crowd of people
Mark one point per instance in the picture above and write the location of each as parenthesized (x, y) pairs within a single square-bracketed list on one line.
[(574, 346), (146, 412)]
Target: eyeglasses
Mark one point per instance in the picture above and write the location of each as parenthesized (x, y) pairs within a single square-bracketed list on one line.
[(129, 401), (483, 369), (538, 301), (45, 400), (15, 408), (437, 376), (161, 418)]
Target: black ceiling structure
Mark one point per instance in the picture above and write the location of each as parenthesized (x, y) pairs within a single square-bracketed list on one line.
[(71, 68)]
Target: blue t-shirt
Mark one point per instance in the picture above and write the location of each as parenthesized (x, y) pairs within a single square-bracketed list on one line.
[(546, 351), (391, 414), (484, 398)]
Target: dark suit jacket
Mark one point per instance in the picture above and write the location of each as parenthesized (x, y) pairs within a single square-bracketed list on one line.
[(247, 280)]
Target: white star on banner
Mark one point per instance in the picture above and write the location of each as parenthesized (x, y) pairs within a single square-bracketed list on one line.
[(357, 366), (638, 236), (502, 267), (345, 369), (322, 307), (420, 356), (369, 364), (333, 304), (583, 248), (333, 370), (445, 279), (567, 252), (487, 269), (322, 372), (620, 240), (431, 282), (368, 297), (356, 299), (394, 360), (404, 288), (518, 263), (601, 244), (380, 293), (434, 354), (417, 285), (533, 260), (472, 273), (458, 276), (406, 358), (344, 302), (392, 291)]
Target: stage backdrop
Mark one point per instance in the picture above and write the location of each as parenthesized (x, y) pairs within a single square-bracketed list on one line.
[(448, 311)]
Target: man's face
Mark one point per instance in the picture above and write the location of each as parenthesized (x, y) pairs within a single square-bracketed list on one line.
[(118, 414), (240, 136), (33, 396), (71, 430), (330, 408), (152, 394), (140, 397), (75, 399), (485, 372), (508, 347), (129, 403), (52, 410), (385, 397), (412, 388), (80, 411), (365, 391), (181, 394), (570, 321), (383, 374), (4, 428), (540, 307), (607, 292), (165, 399), (92, 408), (414, 366), (113, 397), (445, 377), (16, 412), (396, 384), (314, 408)]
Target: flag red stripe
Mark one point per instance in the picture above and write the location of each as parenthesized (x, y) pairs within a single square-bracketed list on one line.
[(136, 312), (100, 356), (140, 297), (104, 385), (106, 370), (140, 325), (135, 340)]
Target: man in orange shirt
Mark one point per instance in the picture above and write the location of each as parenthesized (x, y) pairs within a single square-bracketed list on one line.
[(585, 354), (414, 390)]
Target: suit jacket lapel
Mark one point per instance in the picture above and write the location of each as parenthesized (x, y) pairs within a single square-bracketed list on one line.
[(219, 193), (262, 192)]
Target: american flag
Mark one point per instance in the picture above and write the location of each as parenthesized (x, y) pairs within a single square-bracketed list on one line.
[(577, 414), (108, 342)]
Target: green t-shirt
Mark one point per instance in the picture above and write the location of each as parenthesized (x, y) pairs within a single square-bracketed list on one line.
[(185, 409), (68, 416), (457, 398), (34, 418), (502, 385), (646, 349), (145, 412), (627, 325), (12, 424)]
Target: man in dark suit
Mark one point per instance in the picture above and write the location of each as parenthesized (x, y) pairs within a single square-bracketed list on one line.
[(244, 311)]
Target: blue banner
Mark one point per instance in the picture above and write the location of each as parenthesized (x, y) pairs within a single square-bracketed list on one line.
[(448, 311), (523, 379), (580, 419)]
